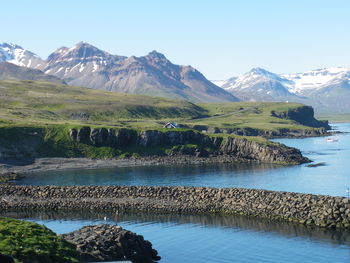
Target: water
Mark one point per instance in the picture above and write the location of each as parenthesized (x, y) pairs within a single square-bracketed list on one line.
[(214, 238), (332, 179)]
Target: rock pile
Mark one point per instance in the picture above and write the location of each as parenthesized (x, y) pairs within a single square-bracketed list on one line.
[(109, 243)]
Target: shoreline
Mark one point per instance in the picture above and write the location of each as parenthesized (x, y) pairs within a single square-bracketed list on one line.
[(50, 164)]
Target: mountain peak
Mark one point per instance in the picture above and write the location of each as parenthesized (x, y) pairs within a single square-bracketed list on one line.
[(260, 71), (10, 45), (17, 55), (83, 44), (156, 54)]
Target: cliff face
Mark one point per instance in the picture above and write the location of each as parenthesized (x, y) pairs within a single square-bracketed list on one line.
[(201, 145), (283, 132), (26, 143), (303, 115), (272, 153)]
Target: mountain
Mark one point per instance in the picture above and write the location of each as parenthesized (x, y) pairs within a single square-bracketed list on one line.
[(260, 85), (153, 74), (17, 55), (334, 95), (9, 71), (310, 81), (327, 90)]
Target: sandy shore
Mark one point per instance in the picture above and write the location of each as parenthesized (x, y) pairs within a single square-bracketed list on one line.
[(49, 164)]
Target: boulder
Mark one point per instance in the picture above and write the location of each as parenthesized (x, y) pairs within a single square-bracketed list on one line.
[(110, 242)]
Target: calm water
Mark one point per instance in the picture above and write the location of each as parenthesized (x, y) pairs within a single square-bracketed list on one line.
[(213, 238), (332, 179), (200, 239)]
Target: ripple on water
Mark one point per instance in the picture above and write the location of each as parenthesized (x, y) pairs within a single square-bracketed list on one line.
[(213, 238)]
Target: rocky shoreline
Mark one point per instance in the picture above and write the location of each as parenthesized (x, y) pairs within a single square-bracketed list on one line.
[(50, 164), (312, 210)]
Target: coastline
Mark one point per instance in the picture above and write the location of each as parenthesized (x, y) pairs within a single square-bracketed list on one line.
[(50, 164)]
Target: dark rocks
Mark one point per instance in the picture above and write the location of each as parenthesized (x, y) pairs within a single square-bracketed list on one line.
[(6, 259), (273, 153), (303, 115), (151, 138), (83, 135), (108, 243), (317, 164), (98, 137)]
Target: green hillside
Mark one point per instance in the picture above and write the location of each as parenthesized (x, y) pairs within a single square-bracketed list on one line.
[(41, 103)]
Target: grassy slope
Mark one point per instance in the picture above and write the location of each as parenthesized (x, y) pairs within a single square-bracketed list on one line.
[(247, 114), (336, 117), (33, 243), (33, 103), (41, 102)]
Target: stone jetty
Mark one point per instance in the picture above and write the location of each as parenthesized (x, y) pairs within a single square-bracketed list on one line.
[(308, 209)]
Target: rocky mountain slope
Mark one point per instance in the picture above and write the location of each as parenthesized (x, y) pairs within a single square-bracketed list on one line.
[(10, 71), (327, 90), (17, 55), (153, 74)]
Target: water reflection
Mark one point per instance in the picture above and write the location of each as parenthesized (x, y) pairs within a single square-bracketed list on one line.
[(331, 179), (284, 229)]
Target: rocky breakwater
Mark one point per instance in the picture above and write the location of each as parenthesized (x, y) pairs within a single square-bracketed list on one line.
[(307, 209), (188, 142), (104, 242)]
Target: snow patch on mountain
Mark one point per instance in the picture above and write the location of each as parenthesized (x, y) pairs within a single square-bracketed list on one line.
[(298, 83), (19, 56), (314, 79)]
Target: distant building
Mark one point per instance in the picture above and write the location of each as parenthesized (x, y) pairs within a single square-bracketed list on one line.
[(171, 125)]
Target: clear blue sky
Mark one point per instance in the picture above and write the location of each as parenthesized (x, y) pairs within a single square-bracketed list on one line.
[(220, 38)]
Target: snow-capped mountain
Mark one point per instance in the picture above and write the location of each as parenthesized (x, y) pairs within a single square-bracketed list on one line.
[(259, 84), (17, 55), (304, 83), (325, 89), (153, 74)]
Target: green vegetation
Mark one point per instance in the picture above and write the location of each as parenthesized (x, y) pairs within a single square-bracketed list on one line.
[(30, 242), (39, 104), (44, 102), (256, 115), (336, 118)]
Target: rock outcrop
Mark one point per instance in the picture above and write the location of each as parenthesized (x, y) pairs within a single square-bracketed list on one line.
[(240, 148), (109, 243), (303, 115), (282, 132), (273, 153)]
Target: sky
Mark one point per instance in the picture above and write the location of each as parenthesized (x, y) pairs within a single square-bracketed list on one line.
[(221, 38)]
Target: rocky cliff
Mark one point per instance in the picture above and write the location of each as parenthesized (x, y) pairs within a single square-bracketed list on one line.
[(28, 143), (303, 115), (189, 142)]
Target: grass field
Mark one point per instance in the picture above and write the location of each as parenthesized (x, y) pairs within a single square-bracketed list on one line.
[(26, 241), (43, 103), (336, 118)]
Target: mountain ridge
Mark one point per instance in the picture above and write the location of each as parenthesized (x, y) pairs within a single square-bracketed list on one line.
[(152, 74), (325, 89)]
